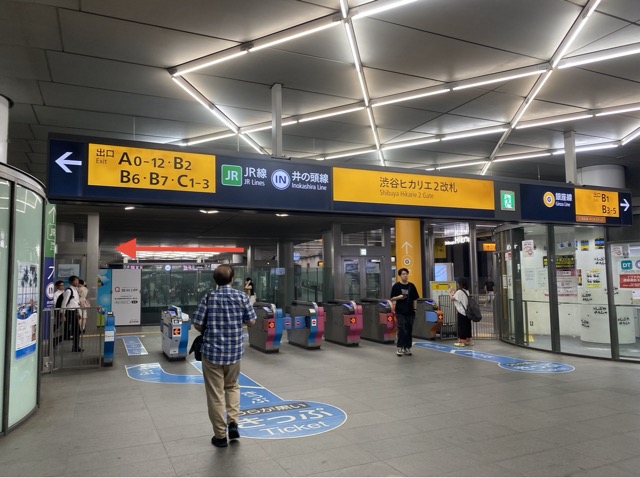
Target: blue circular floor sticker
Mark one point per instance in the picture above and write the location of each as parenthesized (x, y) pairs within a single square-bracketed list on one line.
[(533, 366), (289, 419)]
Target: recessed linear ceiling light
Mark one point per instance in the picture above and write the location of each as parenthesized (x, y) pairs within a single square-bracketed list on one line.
[(129, 208), (192, 92), (408, 144), (462, 165), (210, 211), (574, 34), (470, 134), (499, 79), (600, 56), (631, 137), (203, 63), (352, 45), (515, 158), (327, 115), (287, 35), (354, 152), (211, 137), (536, 89), (595, 147), (252, 143), (619, 111), (408, 96), (533, 124), (366, 12), (281, 214)]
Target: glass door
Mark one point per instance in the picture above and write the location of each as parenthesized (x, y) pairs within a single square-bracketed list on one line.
[(362, 277)]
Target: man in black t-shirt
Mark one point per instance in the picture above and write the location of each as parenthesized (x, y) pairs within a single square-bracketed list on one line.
[(405, 295), (488, 289)]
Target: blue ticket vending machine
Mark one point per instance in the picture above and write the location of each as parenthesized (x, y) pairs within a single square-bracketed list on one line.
[(174, 328)]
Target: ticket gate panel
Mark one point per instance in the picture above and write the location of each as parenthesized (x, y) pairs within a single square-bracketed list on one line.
[(378, 321), (306, 324), (174, 329), (426, 319), (344, 322), (266, 334)]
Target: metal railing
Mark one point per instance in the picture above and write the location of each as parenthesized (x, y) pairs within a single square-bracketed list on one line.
[(72, 338), (485, 329)]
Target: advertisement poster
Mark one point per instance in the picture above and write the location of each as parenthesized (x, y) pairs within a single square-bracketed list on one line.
[(126, 296), (27, 316), (594, 280)]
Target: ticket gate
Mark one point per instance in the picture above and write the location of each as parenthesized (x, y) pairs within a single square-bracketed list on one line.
[(266, 333), (378, 321), (343, 323), (427, 317), (305, 324), (174, 328)]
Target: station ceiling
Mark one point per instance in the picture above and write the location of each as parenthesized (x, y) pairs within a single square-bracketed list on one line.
[(487, 87)]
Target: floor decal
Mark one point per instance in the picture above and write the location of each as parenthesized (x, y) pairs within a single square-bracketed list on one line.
[(133, 344), (508, 363), (263, 415)]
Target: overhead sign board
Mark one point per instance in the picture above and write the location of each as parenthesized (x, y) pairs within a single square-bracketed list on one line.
[(139, 168), (83, 169)]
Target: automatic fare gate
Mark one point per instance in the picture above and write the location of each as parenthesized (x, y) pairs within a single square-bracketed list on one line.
[(266, 334), (343, 322), (378, 321), (305, 324)]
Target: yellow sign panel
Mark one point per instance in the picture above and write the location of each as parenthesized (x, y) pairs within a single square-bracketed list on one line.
[(590, 202), (138, 168), (489, 247), (379, 187)]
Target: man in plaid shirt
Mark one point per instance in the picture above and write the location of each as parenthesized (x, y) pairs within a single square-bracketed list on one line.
[(219, 318)]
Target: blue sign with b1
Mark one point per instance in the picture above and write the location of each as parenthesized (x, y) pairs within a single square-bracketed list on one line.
[(263, 415)]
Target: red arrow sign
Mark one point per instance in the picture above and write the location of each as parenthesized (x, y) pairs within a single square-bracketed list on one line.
[(131, 249)]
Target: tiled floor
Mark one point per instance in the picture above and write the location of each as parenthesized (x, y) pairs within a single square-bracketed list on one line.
[(431, 414)]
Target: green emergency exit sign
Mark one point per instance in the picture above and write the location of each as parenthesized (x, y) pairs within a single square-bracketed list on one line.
[(507, 200)]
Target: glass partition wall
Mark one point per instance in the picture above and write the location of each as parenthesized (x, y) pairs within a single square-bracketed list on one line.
[(564, 289)]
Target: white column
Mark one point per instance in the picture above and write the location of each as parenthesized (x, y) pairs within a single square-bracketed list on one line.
[(570, 157), (276, 120), (5, 104), (607, 175)]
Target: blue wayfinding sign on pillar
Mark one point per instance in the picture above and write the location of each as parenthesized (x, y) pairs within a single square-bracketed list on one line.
[(263, 415)]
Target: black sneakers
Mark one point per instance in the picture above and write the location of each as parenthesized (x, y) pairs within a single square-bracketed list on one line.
[(219, 442), (234, 434)]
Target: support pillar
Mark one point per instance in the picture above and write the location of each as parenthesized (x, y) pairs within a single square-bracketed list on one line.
[(5, 104), (276, 120), (570, 157)]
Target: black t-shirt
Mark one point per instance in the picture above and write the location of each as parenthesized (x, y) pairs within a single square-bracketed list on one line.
[(489, 285), (405, 306), (249, 291)]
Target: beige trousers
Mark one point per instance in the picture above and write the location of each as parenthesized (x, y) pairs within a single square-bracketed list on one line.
[(223, 393)]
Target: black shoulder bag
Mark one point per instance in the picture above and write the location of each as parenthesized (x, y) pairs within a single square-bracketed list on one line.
[(196, 346)]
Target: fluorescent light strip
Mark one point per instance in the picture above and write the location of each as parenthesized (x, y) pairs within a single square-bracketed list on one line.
[(531, 97), (374, 130), (354, 152), (473, 163), (344, 8), (363, 87), (620, 111), (499, 80), (408, 144), (574, 34), (199, 64), (213, 137), (553, 121), (328, 115), (594, 57), (474, 133), (255, 130), (222, 117), (631, 137), (352, 44), (589, 148), (258, 45), (404, 97), (192, 92), (381, 158), (252, 143), (516, 158), (366, 12)]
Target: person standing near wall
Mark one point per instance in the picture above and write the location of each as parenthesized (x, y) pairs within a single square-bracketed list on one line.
[(219, 318), (460, 298), (405, 296)]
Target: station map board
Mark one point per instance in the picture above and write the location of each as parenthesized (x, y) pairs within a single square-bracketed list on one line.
[(127, 172)]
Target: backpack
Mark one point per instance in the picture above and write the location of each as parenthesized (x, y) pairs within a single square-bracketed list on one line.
[(472, 309), (59, 299)]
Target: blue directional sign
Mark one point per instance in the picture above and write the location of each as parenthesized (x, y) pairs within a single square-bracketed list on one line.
[(263, 415), (507, 363)]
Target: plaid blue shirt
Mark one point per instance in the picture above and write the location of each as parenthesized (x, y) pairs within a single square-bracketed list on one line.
[(225, 313)]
